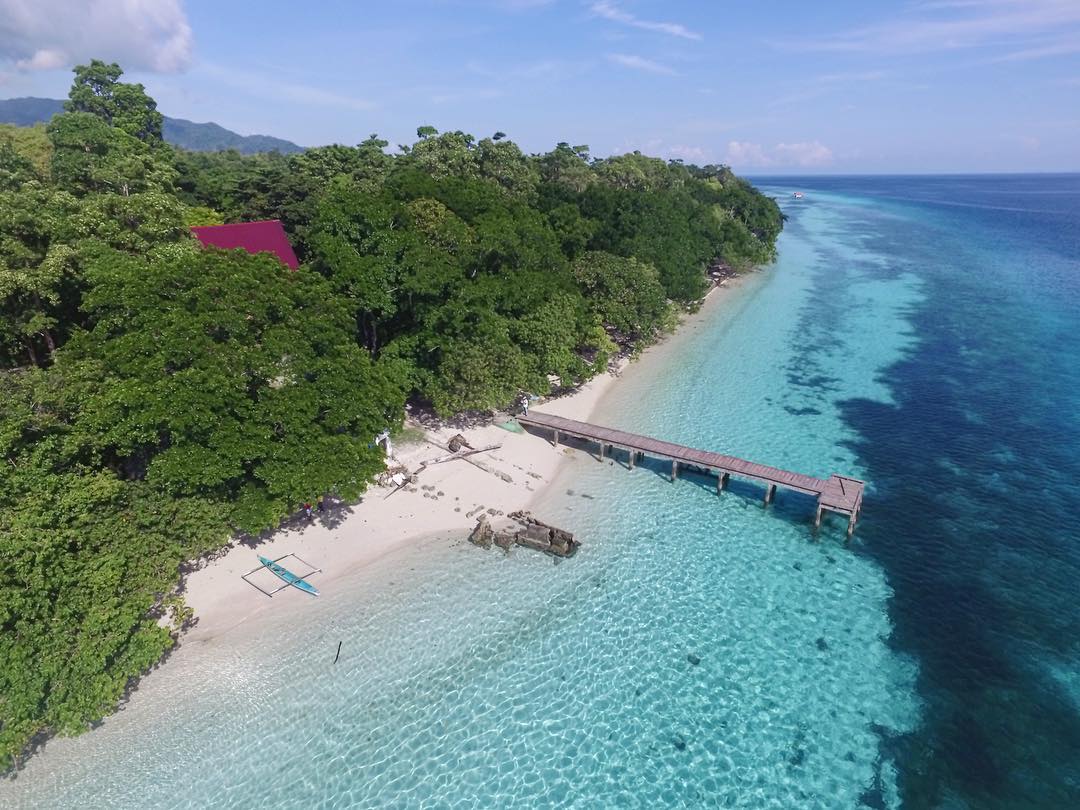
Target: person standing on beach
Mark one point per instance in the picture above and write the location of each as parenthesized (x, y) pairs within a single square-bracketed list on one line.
[(524, 404)]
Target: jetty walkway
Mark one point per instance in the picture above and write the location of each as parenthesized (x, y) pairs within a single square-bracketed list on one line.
[(837, 493)]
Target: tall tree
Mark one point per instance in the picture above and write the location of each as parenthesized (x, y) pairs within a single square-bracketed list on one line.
[(97, 90)]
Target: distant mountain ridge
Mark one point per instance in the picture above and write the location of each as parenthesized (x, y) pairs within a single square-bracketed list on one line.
[(209, 137)]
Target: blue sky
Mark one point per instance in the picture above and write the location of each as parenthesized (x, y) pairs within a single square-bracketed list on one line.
[(809, 87)]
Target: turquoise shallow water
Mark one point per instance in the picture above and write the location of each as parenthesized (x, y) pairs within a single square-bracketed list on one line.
[(702, 650)]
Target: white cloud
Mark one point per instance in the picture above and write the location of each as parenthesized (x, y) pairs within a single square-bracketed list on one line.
[(641, 63), (610, 11), (806, 155), (658, 147), (691, 154), (149, 35), (45, 59)]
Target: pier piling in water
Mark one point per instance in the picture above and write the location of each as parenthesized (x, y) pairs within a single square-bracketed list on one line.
[(837, 493)]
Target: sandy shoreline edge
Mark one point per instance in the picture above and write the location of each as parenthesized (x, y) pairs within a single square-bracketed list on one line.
[(445, 501)]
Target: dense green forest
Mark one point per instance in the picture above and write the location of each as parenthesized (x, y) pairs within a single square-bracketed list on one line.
[(156, 397)]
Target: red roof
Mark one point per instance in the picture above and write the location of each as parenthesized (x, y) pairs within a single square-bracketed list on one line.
[(254, 237)]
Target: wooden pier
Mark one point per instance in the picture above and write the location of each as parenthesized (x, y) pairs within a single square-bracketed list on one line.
[(837, 493)]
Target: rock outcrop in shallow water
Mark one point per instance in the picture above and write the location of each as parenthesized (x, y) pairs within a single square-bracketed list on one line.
[(531, 533)]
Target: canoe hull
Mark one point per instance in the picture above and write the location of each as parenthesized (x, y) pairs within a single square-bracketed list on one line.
[(288, 576)]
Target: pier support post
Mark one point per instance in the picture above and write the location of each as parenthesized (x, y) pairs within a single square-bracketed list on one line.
[(817, 517), (722, 481), (851, 524), (674, 470), (770, 491), (601, 451), (632, 454), (555, 441)]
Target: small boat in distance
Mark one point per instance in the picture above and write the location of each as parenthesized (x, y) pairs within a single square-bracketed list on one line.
[(797, 195), (288, 576)]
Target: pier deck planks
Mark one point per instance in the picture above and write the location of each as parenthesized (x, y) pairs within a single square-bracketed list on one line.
[(837, 493)]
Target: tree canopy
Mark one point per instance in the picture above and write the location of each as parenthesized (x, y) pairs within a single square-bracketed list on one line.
[(157, 397)]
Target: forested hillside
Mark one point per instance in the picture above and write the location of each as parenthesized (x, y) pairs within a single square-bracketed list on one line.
[(156, 397), (199, 137)]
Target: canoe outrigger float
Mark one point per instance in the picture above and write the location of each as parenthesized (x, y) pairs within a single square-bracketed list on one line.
[(290, 579)]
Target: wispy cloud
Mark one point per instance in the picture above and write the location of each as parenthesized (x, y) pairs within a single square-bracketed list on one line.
[(950, 26), (546, 70), (466, 96), (641, 63), (520, 5), (805, 155), (1043, 51), (848, 77), (816, 86), (611, 11), (275, 88)]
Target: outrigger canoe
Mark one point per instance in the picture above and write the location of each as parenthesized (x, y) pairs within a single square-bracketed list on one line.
[(289, 577)]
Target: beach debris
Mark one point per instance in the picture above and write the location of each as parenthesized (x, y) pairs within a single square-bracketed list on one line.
[(387, 476), (338, 654), (719, 272), (457, 442), (474, 462)]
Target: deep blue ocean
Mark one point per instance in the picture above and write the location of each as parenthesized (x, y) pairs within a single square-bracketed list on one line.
[(975, 468), (702, 649)]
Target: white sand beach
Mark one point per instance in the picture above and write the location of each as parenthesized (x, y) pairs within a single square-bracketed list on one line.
[(447, 498)]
